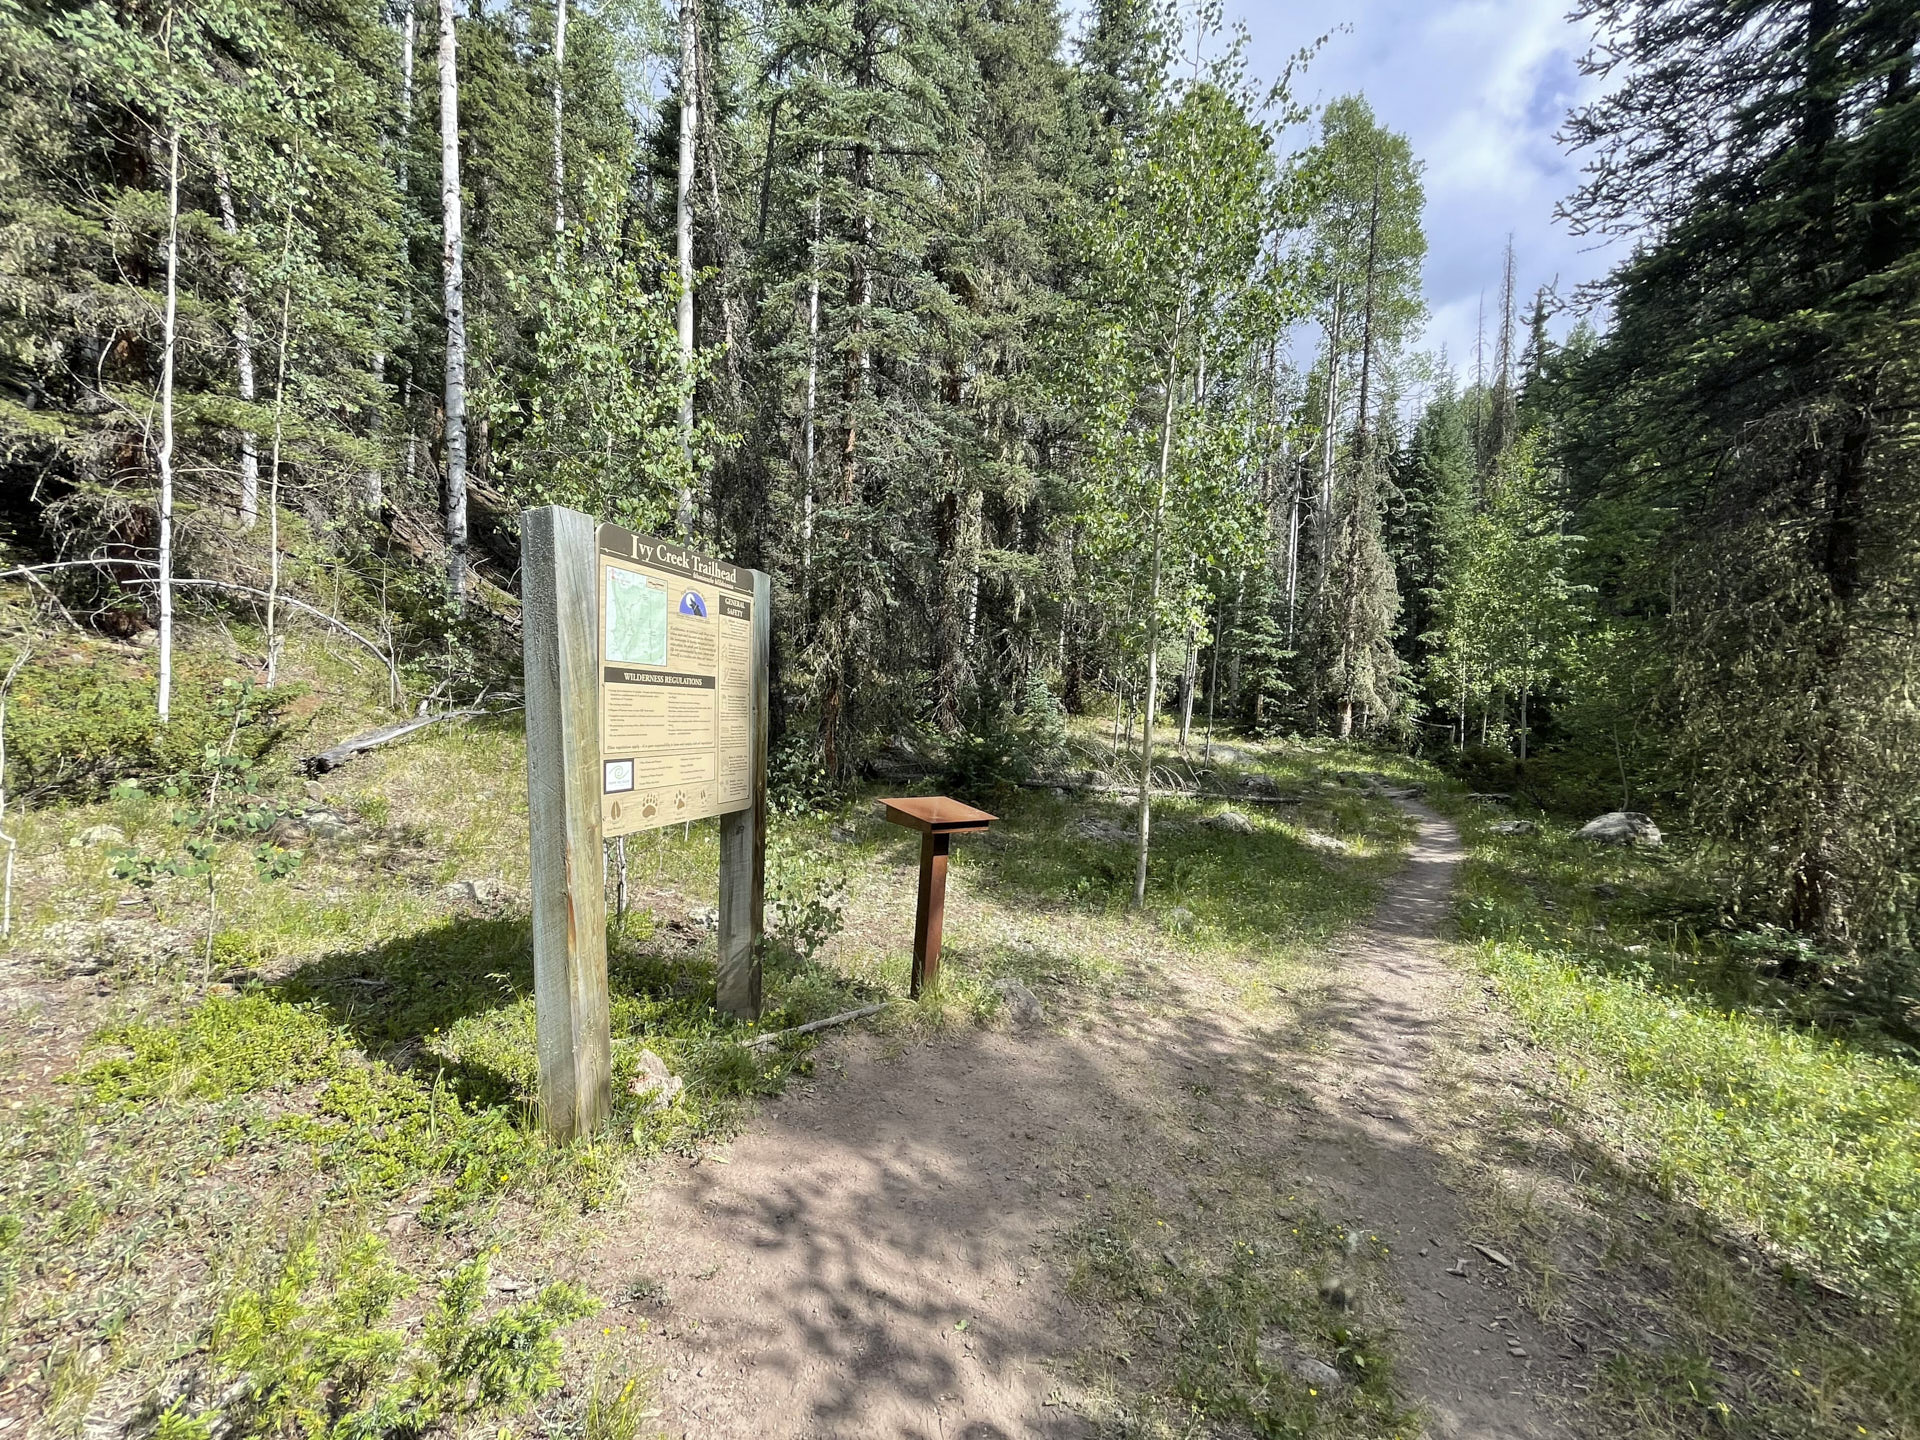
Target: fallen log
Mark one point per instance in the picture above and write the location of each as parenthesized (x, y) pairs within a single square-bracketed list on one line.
[(340, 754)]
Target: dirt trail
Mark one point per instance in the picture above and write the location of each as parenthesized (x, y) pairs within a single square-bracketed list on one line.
[(1467, 1347), (872, 1259)]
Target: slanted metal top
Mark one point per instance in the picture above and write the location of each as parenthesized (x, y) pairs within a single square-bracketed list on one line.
[(936, 814)]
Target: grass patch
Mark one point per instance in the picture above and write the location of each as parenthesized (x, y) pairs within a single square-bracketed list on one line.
[(1750, 1108)]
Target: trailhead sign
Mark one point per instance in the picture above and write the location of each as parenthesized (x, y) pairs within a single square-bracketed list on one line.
[(676, 683), (647, 704)]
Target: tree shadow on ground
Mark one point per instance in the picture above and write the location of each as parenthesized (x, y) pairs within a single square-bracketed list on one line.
[(397, 1000)]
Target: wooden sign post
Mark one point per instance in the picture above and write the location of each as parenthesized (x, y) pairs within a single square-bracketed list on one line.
[(938, 819), (647, 705)]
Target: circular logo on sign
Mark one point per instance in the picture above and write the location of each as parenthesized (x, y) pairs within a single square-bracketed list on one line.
[(692, 604)]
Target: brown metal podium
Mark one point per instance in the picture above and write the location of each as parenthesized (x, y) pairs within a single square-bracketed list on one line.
[(937, 819)]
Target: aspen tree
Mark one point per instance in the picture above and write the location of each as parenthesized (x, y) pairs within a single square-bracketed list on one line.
[(453, 502)]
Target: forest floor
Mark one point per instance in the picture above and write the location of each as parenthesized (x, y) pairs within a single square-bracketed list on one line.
[(1342, 1136)]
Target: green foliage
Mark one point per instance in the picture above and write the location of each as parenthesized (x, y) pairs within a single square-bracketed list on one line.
[(1510, 612), (74, 729), (797, 782), (595, 422), (806, 902), (1746, 429), (1006, 746), (318, 1350)]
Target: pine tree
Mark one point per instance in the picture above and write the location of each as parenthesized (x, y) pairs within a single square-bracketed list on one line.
[(1754, 404)]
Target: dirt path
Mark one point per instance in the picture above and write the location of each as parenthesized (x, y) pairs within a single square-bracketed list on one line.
[(1468, 1349), (875, 1258)]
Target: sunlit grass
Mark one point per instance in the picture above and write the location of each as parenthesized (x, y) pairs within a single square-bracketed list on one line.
[(1697, 1074)]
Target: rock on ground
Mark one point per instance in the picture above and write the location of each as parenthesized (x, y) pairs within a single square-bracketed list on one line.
[(656, 1085), (1023, 1007), (1514, 827), (1231, 821), (1105, 832), (1621, 827), (1280, 1352)]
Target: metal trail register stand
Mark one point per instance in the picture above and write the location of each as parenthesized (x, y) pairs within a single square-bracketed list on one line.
[(646, 683)]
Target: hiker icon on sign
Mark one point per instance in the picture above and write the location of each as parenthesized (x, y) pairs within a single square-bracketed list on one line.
[(692, 604)]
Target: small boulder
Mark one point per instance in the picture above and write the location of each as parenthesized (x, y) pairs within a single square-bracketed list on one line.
[(1280, 1353), (1103, 832), (1023, 1007), (1622, 827), (704, 917), (1327, 844), (97, 835), (1230, 821), (1180, 919), (1513, 827), (656, 1086), (486, 894)]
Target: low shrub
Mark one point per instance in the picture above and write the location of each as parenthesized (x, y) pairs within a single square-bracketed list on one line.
[(78, 723)]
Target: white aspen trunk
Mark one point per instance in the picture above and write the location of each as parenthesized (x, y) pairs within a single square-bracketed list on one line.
[(1293, 546), (452, 259), (405, 171), (1325, 517), (1213, 682), (6, 837), (1153, 635), (559, 115), (683, 226), (1187, 677), (273, 469), (249, 502), (163, 457), (974, 522)]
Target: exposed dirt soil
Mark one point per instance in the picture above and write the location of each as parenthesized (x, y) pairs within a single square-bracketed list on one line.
[(878, 1256)]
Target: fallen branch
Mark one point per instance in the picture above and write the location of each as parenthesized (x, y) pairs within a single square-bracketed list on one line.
[(359, 745), (760, 1041)]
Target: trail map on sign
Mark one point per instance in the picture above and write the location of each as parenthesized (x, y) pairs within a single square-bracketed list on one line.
[(636, 619), (676, 683)]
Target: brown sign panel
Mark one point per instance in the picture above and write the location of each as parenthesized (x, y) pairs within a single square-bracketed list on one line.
[(676, 683)]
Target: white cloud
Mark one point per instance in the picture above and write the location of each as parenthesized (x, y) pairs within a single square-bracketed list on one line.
[(1479, 87)]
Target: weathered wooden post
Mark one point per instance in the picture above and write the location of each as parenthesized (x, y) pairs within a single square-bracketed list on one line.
[(560, 632), (743, 842)]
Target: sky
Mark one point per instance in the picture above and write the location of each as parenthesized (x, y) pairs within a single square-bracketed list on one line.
[(1479, 87)]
